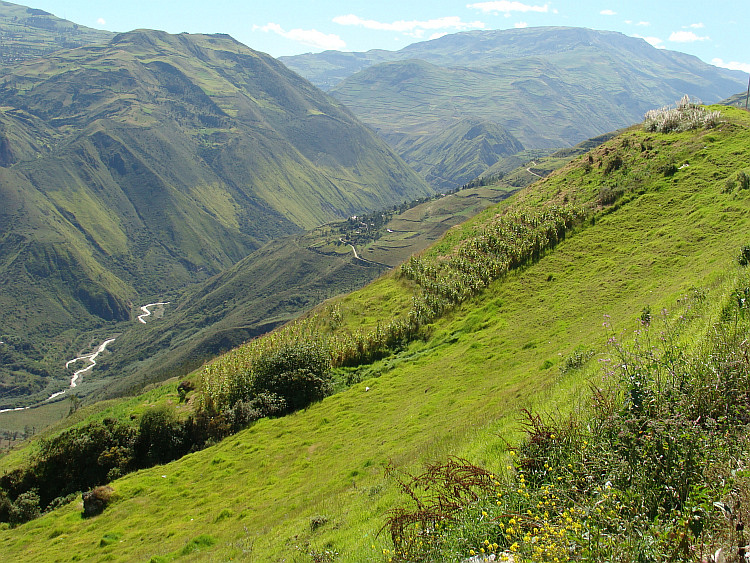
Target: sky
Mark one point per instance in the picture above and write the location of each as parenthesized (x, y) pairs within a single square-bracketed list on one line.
[(716, 32)]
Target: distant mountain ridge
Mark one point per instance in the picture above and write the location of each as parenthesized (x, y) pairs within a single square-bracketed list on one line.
[(131, 169), (27, 33), (546, 87), (481, 48)]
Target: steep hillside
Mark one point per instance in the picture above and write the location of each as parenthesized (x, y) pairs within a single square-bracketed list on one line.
[(277, 283), (662, 217), (459, 153), (134, 168), (28, 33), (738, 100)]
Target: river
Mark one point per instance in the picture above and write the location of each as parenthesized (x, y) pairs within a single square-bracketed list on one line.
[(91, 358)]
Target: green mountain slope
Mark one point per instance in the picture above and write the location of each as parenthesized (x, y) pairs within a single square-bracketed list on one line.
[(546, 87), (134, 168), (28, 33), (274, 285), (459, 153), (312, 484), (738, 100)]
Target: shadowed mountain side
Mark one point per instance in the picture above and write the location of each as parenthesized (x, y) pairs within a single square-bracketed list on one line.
[(458, 154), (132, 169)]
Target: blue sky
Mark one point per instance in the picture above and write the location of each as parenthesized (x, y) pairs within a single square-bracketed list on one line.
[(717, 32)]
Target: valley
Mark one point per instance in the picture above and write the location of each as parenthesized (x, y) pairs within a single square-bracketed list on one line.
[(480, 298)]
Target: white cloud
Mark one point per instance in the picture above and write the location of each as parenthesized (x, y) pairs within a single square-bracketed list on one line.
[(414, 28), (654, 41), (507, 7), (520, 25), (698, 25), (643, 24), (685, 37), (101, 21), (310, 37), (733, 65), (608, 13)]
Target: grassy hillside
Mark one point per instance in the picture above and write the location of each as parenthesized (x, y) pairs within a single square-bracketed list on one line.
[(667, 215), (28, 33), (245, 301), (132, 169)]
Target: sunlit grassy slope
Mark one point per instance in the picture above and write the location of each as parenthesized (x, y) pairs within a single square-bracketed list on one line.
[(314, 481)]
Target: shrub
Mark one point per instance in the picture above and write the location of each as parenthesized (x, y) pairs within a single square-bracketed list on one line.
[(25, 508), (96, 500), (685, 116), (614, 163), (744, 257), (160, 437), (299, 374), (609, 195), (184, 388)]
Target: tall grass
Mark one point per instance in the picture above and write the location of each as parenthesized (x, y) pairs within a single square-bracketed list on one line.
[(687, 115), (652, 469), (504, 243)]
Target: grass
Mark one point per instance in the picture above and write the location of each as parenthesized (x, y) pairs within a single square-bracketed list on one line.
[(458, 391)]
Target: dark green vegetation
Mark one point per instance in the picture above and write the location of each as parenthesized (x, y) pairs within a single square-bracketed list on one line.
[(132, 169), (28, 33), (540, 87), (459, 153), (658, 222)]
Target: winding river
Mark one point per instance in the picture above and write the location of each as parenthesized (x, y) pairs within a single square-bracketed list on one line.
[(90, 358), (147, 312)]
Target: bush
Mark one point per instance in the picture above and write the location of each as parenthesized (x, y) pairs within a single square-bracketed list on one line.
[(160, 437), (299, 374), (686, 116), (608, 195), (25, 508), (96, 500)]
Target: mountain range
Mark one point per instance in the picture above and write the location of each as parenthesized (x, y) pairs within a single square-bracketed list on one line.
[(133, 168), (543, 87), (647, 275)]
